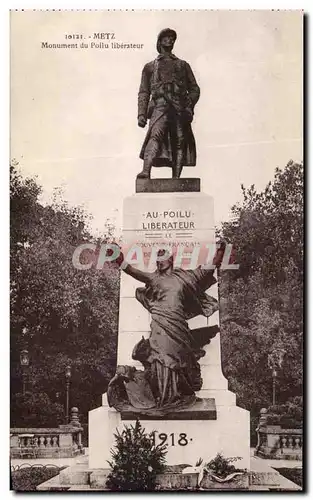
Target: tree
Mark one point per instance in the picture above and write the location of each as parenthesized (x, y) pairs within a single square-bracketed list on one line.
[(261, 303), (267, 228), (36, 409), (59, 313)]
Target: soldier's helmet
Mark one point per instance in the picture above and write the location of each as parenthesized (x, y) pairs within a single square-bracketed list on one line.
[(165, 32)]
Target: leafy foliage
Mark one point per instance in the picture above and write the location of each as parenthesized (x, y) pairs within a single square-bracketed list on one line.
[(261, 303), (136, 460), (59, 313), (222, 466), (28, 478), (267, 228), (37, 410), (289, 415)]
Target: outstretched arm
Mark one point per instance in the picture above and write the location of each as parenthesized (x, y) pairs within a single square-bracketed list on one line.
[(132, 271), (137, 274), (206, 277)]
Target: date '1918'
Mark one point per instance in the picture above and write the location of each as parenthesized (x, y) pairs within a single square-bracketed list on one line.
[(171, 439)]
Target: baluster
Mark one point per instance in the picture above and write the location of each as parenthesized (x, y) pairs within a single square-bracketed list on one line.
[(28, 442), (42, 442), (36, 441), (283, 441), (290, 442), (79, 439), (55, 441), (74, 441), (297, 443), (48, 445)]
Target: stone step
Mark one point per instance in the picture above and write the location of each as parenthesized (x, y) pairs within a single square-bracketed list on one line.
[(85, 487), (172, 481), (81, 478), (98, 478), (76, 474), (53, 484), (255, 487), (264, 478)]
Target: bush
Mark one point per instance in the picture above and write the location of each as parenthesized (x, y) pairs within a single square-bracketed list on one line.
[(288, 415), (136, 460), (28, 478), (35, 410)]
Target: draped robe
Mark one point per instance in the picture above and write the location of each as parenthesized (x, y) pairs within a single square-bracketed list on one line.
[(172, 299)]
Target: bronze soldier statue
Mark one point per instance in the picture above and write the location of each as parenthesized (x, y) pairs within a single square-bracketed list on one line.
[(167, 96)]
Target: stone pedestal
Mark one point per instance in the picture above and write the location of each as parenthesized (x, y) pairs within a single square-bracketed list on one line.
[(187, 440), (183, 221), (167, 185)]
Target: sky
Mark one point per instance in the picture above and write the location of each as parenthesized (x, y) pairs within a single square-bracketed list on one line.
[(74, 111)]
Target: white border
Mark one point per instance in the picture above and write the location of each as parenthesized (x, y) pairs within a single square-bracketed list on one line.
[(306, 5), (160, 4)]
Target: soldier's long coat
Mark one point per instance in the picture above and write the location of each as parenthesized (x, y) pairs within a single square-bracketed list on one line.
[(174, 109)]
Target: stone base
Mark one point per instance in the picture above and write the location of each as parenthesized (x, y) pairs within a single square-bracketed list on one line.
[(261, 477), (203, 409), (187, 440), (167, 185), (238, 483)]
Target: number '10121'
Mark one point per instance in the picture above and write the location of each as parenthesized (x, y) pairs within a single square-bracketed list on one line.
[(170, 439)]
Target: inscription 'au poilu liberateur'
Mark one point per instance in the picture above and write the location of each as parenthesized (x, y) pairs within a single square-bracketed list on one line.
[(168, 225), (168, 214)]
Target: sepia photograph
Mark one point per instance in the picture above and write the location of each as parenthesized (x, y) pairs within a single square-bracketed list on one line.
[(156, 250)]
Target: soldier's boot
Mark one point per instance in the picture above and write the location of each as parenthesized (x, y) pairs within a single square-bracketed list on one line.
[(177, 170), (178, 167), (146, 171)]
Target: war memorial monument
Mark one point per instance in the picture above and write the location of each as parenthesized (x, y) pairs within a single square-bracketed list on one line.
[(169, 372)]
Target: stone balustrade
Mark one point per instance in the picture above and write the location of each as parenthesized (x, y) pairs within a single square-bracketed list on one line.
[(61, 442), (277, 442)]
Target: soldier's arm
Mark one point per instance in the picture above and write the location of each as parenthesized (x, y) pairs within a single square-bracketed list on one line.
[(192, 86), (144, 92)]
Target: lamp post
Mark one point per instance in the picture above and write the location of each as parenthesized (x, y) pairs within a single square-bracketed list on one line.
[(24, 361), (275, 361), (68, 374)]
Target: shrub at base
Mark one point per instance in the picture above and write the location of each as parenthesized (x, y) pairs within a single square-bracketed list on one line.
[(136, 460)]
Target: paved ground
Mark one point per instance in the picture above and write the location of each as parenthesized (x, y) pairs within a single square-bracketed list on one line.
[(289, 464), (264, 477), (84, 459)]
